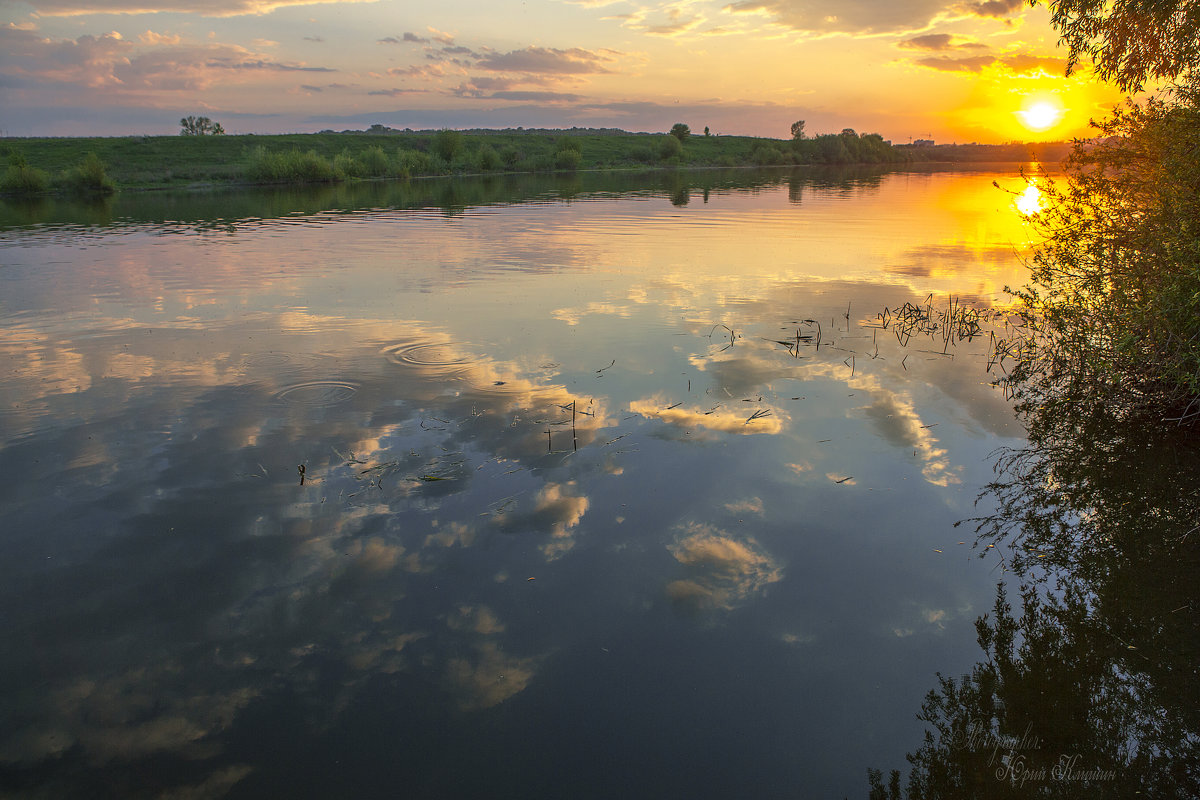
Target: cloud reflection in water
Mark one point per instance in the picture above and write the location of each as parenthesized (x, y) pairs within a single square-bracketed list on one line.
[(173, 592), (721, 571)]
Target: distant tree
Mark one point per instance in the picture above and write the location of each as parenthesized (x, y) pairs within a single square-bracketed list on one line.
[(199, 126), (88, 177), (510, 155), (567, 159), (706, 133), (446, 143), (680, 131), (568, 153), (832, 149), (669, 147), (1129, 41), (488, 159), (849, 133), (20, 178), (569, 143), (768, 154), (798, 129)]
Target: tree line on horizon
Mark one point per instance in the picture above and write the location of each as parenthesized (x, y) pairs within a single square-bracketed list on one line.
[(213, 156), (205, 153)]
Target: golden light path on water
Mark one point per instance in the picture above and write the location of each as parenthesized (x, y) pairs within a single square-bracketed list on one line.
[(749, 243)]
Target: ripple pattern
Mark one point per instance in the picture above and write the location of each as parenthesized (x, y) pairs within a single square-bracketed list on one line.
[(318, 393), (446, 358)]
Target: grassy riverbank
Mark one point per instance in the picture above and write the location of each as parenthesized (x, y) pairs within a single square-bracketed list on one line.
[(151, 162)]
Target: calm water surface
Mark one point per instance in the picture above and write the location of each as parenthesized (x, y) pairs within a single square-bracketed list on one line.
[(599, 487)]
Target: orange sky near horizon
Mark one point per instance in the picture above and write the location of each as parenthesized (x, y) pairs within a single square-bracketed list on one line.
[(946, 70)]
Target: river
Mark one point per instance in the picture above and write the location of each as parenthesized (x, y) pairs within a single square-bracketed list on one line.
[(596, 486)]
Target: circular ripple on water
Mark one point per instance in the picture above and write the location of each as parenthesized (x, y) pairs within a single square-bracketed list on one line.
[(319, 393), (443, 357)]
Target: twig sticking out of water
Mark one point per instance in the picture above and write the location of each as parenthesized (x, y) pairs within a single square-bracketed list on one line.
[(759, 414), (794, 344), (571, 407), (732, 335)]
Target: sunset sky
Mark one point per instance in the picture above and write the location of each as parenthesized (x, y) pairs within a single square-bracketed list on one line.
[(967, 71)]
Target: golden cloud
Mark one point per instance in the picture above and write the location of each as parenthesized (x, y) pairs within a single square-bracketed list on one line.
[(490, 677), (753, 505), (215, 8), (548, 60), (843, 16), (723, 570), (563, 511), (152, 38), (897, 420), (744, 421), (571, 316), (475, 619)]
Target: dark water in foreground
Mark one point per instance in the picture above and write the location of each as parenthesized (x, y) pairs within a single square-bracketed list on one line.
[(497, 489)]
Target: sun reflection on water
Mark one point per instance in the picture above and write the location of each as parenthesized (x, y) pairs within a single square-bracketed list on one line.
[(1029, 202)]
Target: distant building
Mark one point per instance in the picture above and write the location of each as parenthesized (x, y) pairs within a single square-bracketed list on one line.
[(922, 142)]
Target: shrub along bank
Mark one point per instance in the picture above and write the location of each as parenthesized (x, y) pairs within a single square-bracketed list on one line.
[(146, 162)]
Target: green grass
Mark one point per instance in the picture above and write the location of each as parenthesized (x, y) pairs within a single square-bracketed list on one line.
[(151, 162)]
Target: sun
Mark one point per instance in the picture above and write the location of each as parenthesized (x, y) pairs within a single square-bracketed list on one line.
[(1041, 115)]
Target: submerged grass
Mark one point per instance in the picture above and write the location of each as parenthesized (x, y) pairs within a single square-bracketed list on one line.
[(951, 324), (955, 323)]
